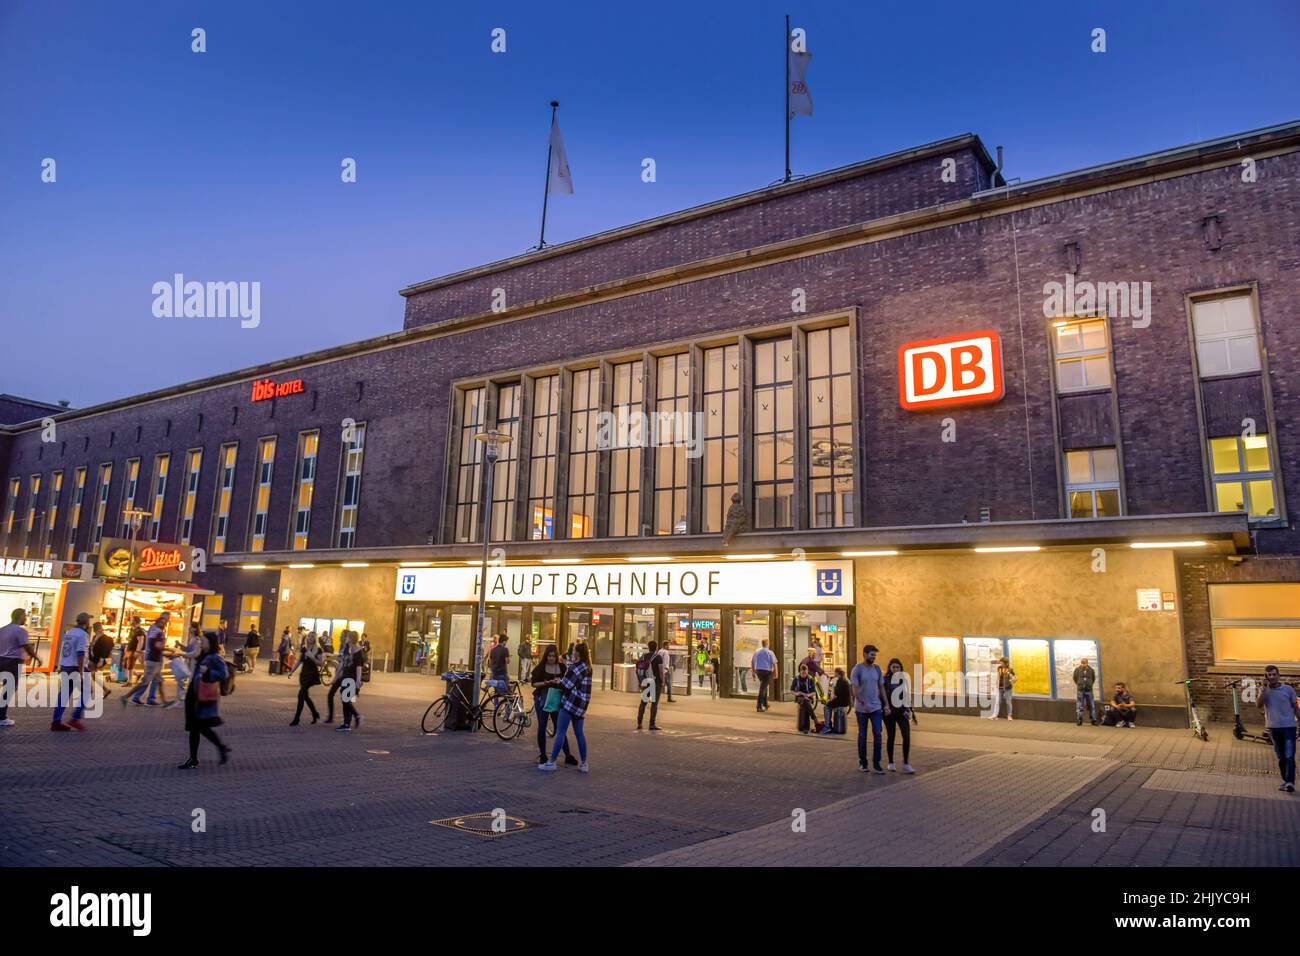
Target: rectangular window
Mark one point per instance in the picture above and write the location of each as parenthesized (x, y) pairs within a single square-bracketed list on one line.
[(128, 494), (583, 453), (1227, 341), (221, 503), (52, 517), (193, 467), (773, 419), (830, 428), (672, 437), (308, 442), (1242, 471), (469, 477), (1255, 624), (506, 470), (354, 450), (721, 434), (250, 612), (211, 612), (625, 453), (33, 499), (541, 475), (78, 496), (1082, 355), (1092, 483), (101, 504), (161, 466), (11, 508), (262, 493)]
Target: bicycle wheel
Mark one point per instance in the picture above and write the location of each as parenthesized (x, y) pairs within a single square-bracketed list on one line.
[(507, 719), (435, 716)]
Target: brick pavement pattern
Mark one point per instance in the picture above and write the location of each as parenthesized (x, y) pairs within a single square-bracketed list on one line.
[(717, 787)]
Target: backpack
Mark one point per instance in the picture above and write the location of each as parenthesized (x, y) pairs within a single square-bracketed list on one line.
[(645, 668)]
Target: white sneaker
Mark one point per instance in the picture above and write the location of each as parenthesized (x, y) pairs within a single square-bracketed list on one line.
[(907, 768), (891, 767), (170, 704), (546, 766), (582, 767), (6, 722)]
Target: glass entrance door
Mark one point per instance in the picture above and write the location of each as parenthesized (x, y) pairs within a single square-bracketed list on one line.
[(593, 626), (748, 631)]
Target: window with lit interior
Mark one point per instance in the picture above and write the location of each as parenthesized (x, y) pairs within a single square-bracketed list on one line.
[(1092, 483), (1242, 471)]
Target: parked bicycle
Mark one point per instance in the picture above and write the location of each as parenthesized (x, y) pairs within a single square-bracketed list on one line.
[(1193, 718), (506, 714)]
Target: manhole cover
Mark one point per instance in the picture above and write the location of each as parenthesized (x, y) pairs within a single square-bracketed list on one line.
[(492, 824), (380, 752)]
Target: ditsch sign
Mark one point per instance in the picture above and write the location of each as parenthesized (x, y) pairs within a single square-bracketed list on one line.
[(954, 370), (152, 561), (264, 389)]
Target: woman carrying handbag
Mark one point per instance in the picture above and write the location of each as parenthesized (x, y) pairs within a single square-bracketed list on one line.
[(202, 701), (309, 663), (546, 700)]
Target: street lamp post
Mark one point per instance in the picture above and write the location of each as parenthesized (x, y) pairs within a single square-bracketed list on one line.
[(135, 516), (493, 442)]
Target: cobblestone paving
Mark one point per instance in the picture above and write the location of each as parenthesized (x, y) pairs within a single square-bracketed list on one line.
[(718, 786)]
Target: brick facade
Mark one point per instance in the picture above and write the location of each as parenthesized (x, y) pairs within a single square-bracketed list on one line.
[(915, 257)]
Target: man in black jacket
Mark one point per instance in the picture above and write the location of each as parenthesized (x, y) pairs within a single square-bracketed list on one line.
[(653, 685), (1085, 678)]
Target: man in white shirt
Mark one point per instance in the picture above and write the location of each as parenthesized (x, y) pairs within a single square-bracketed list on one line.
[(73, 654), (14, 643), (763, 664), (666, 668)]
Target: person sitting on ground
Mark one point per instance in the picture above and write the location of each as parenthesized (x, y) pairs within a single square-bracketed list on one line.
[(1122, 709), (838, 705), (805, 695)]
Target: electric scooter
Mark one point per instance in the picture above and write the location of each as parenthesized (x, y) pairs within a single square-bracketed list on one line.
[(1238, 728), (1193, 719)]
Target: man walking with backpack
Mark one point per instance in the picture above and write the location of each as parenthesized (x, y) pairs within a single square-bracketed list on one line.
[(1084, 680), (650, 678)]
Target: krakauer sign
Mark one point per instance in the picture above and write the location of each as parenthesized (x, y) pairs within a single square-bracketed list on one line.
[(48, 570), (742, 583)]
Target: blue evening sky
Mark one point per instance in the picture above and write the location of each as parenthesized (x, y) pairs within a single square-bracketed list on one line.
[(225, 165)]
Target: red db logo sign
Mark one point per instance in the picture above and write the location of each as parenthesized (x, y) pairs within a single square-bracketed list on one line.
[(955, 370)]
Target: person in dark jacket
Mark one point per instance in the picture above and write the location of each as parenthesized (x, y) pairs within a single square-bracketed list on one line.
[(352, 661), (898, 692), (841, 699), (309, 663), (805, 695), (283, 650), (657, 676), (251, 645), (1085, 678), (202, 701), (548, 669)]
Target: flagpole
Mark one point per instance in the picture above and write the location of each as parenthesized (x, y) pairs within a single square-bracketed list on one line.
[(787, 99), (541, 242)]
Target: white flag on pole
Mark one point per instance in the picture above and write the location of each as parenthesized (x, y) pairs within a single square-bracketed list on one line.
[(800, 98), (559, 178)]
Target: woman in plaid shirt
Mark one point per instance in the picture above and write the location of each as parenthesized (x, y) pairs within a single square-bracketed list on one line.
[(576, 687)]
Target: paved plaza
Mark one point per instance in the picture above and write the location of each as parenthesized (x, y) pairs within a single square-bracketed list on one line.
[(720, 785)]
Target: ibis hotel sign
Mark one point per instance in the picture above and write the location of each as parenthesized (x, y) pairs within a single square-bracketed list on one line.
[(742, 583), (152, 561), (955, 370)]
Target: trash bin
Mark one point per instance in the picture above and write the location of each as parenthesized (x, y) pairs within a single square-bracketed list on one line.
[(457, 714)]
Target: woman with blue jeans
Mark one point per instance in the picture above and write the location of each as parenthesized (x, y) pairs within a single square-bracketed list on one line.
[(548, 669), (576, 688)]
